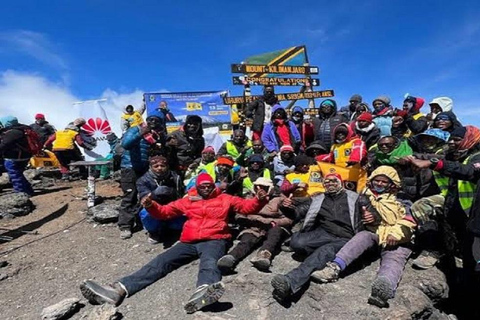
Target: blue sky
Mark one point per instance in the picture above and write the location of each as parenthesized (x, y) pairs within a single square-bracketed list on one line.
[(55, 52)]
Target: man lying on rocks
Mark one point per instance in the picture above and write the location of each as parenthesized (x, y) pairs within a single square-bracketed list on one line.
[(205, 235)]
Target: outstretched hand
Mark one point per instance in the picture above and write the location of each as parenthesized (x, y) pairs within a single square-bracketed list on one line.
[(147, 201), (261, 194)]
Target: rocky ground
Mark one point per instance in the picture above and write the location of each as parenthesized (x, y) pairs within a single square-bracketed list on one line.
[(62, 247)]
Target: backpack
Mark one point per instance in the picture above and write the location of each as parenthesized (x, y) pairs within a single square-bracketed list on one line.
[(34, 144)]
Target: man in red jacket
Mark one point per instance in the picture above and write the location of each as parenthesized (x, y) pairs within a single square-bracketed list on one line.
[(205, 235)]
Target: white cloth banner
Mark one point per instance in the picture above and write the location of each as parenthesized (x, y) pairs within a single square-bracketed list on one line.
[(96, 128)]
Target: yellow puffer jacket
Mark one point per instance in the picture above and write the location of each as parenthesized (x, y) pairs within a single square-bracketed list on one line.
[(395, 221)]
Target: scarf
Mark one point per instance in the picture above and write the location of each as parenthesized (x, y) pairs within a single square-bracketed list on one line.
[(472, 137), (365, 130), (391, 158)]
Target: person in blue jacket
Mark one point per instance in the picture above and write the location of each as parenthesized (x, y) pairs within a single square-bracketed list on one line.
[(280, 131)]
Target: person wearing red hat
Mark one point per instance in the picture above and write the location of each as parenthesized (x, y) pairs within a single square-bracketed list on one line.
[(205, 235), (331, 220), (42, 128), (227, 175), (366, 129), (409, 121)]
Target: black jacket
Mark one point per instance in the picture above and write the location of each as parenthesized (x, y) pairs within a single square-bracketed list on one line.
[(323, 126), (164, 190), (44, 131), (256, 111), (13, 143), (189, 147)]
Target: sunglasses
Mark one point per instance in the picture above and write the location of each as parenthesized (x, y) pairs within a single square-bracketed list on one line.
[(205, 186), (389, 145)]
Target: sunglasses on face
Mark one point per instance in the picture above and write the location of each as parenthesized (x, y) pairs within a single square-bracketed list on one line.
[(330, 181), (388, 145), (205, 186)]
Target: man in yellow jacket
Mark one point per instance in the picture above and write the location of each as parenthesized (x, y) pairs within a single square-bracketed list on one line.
[(132, 117)]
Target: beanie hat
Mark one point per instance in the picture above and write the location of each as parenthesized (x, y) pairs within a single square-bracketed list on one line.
[(386, 100), (458, 132), (256, 158), (342, 127), (79, 122), (158, 159), (225, 160), (204, 178), (334, 175), (286, 147), (302, 160), (356, 97), (39, 116), (208, 149), (365, 116), (328, 102)]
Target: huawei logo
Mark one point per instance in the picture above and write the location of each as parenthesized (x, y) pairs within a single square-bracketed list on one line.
[(97, 125)]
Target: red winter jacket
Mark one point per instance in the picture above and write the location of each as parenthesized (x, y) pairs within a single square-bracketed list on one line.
[(207, 219)]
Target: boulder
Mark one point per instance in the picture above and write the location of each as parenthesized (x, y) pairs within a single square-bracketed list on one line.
[(104, 213), (62, 310), (17, 204)]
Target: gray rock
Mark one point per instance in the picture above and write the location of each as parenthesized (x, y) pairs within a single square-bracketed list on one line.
[(104, 213), (17, 204), (103, 312), (62, 310)]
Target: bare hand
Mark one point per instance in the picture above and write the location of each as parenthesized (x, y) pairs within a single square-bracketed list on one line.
[(147, 201), (261, 194), (391, 241), (243, 173), (367, 216), (288, 202)]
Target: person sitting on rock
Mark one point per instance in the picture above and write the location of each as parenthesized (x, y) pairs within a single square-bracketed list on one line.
[(164, 186), (331, 220), (271, 225), (283, 164), (388, 227), (227, 176), (208, 156), (255, 170), (347, 149), (237, 146), (205, 235)]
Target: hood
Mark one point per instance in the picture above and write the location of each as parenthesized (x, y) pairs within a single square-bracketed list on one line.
[(417, 103), (444, 102), (330, 102), (298, 109), (278, 107), (71, 126), (452, 117), (125, 108), (316, 145), (387, 171), (8, 121), (350, 133), (383, 99), (194, 118), (437, 133)]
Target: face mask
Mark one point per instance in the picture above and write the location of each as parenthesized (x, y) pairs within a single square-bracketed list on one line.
[(378, 189), (295, 118)]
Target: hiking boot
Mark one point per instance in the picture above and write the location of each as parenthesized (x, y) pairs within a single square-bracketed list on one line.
[(204, 295), (329, 273), (125, 234), (153, 238), (426, 260), (382, 290), (98, 294), (281, 287), (261, 261), (226, 263)]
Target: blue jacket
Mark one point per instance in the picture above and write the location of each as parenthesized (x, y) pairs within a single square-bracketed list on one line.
[(270, 138), (136, 148)]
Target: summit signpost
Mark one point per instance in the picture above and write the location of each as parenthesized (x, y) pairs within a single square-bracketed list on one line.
[(281, 96)]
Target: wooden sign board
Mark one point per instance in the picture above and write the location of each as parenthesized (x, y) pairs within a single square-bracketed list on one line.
[(266, 69), (260, 81), (281, 97)]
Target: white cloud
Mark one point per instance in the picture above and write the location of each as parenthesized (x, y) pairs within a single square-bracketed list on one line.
[(25, 94), (34, 44)]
